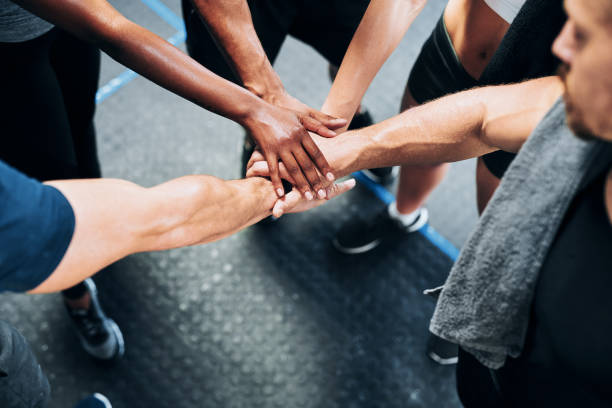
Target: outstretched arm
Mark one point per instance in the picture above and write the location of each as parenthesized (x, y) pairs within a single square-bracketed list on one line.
[(383, 25), (115, 218), (146, 53), (98, 22), (456, 127), (231, 25)]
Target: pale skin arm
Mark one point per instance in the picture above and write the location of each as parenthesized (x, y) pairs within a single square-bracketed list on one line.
[(381, 29), (116, 218), (456, 127)]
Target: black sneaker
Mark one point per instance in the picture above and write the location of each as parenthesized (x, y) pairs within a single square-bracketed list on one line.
[(383, 175), (99, 335), (94, 401), (442, 351), (358, 237)]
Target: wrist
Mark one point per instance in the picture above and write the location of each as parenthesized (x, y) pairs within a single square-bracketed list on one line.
[(344, 152), (261, 191), (252, 112), (264, 82)]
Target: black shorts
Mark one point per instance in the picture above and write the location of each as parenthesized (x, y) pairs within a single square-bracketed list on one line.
[(438, 72), (47, 106), (326, 25)]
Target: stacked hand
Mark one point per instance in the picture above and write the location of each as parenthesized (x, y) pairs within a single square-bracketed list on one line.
[(281, 133), (294, 202)]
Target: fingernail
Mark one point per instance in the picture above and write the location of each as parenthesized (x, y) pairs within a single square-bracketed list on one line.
[(330, 177), (351, 183), (308, 196), (280, 192), (321, 194)]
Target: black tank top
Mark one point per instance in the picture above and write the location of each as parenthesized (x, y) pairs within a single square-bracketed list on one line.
[(567, 359)]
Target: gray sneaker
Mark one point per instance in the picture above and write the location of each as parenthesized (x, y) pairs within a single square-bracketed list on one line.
[(99, 335)]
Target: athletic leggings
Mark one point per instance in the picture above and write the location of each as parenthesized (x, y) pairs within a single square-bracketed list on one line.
[(47, 107)]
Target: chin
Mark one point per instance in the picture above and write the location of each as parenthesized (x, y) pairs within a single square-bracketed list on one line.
[(576, 122)]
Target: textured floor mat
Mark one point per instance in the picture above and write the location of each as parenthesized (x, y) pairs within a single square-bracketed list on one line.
[(272, 317)]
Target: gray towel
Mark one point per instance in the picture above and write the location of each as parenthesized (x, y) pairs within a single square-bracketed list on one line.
[(485, 303)]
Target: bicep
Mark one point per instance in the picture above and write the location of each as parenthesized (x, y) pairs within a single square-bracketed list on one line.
[(513, 111), (107, 219)]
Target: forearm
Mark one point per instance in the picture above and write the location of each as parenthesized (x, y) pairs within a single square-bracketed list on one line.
[(199, 209), (230, 23), (115, 218), (456, 127), (379, 33), (148, 54)]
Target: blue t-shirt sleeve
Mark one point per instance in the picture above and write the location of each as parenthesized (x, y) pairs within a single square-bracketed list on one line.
[(36, 226)]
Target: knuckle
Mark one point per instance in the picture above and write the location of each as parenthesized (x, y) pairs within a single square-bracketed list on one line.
[(316, 154), (310, 170)]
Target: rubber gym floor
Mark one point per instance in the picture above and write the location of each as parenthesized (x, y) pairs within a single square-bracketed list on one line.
[(272, 316)]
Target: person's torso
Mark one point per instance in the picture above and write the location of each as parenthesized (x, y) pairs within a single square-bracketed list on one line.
[(19, 25), (567, 360), (476, 29)]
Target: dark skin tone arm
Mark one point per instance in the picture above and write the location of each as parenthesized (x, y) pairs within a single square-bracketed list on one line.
[(151, 56), (230, 23)]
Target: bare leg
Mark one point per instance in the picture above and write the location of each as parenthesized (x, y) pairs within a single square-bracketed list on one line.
[(416, 182), (486, 184)]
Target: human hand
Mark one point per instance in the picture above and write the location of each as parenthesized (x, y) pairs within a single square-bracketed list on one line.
[(281, 134), (312, 119), (339, 151), (293, 202)]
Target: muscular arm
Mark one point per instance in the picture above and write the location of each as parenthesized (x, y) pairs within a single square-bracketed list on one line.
[(383, 25), (230, 23), (456, 127), (116, 218)]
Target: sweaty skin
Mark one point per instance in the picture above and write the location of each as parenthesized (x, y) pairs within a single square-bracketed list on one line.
[(475, 122), (271, 126), (231, 25)]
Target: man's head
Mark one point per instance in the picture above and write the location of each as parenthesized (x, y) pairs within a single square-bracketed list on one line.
[(585, 48)]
